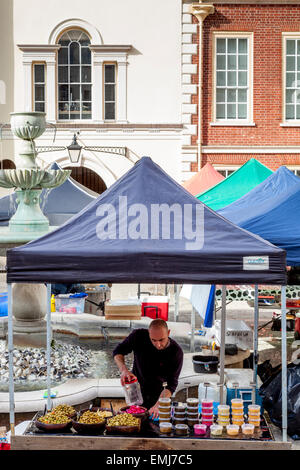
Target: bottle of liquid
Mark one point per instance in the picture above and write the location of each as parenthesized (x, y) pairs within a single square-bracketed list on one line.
[(53, 303), (133, 394)]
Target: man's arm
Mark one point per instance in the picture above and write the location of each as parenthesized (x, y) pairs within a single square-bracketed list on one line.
[(120, 352), (125, 373)]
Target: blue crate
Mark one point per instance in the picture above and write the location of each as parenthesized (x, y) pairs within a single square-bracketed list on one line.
[(246, 395)]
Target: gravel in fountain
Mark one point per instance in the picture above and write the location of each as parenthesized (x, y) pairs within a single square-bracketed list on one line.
[(30, 366)]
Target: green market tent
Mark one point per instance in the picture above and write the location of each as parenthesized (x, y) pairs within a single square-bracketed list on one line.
[(235, 185)]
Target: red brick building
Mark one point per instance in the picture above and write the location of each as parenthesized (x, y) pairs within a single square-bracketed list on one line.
[(249, 82)]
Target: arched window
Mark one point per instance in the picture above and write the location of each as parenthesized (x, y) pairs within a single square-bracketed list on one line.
[(74, 76)]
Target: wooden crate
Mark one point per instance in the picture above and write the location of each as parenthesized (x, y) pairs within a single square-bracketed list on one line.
[(123, 312)]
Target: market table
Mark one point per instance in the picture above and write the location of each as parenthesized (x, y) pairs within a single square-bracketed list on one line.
[(150, 439)]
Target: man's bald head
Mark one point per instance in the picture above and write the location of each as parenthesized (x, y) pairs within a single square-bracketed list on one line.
[(159, 333)]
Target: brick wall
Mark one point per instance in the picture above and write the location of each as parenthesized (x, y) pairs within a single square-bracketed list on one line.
[(267, 22)]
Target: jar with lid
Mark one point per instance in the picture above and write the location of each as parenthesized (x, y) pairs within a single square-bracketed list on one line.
[(133, 394)]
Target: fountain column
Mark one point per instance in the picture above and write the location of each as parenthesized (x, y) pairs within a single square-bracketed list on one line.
[(28, 223)]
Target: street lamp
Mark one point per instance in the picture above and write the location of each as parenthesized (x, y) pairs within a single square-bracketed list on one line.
[(74, 150)]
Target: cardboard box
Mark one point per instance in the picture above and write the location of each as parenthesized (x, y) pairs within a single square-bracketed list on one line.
[(237, 332), (123, 310)]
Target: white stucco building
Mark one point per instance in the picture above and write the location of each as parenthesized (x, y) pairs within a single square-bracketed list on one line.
[(116, 72)]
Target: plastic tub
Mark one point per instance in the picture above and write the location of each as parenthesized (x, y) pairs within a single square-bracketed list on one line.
[(237, 403), (180, 408), (179, 414), (192, 422), (205, 403), (223, 410), (192, 402), (248, 429), (207, 423), (216, 430), (70, 303), (232, 429), (164, 401), (238, 422), (164, 420), (193, 415), (164, 415), (254, 409), (179, 421), (200, 429), (192, 409), (255, 422), (165, 427), (237, 414), (181, 429)]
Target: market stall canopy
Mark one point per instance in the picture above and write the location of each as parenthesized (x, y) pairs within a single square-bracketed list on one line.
[(235, 185), (58, 204), (147, 229), (271, 210), (203, 180)]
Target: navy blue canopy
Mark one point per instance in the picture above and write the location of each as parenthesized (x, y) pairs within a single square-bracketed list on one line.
[(146, 228), (272, 210), (58, 204)]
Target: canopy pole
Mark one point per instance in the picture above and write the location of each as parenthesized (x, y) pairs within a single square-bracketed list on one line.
[(255, 344), (284, 364), (192, 345), (48, 347), (222, 346), (176, 299), (10, 344)]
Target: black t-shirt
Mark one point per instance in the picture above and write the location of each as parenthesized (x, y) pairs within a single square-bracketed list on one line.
[(151, 366)]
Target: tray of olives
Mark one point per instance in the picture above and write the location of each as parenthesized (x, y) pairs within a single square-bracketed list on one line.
[(89, 422), (123, 423), (59, 419)]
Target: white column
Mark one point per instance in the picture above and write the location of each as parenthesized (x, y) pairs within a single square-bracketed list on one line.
[(122, 91), (51, 89), (97, 89), (27, 67)]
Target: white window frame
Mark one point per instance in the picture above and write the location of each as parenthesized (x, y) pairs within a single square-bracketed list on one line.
[(100, 54), (233, 122), (285, 37), (39, 83), (227, 168)]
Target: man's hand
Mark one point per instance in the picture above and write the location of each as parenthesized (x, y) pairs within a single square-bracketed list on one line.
[(126, 374), (154, 411)]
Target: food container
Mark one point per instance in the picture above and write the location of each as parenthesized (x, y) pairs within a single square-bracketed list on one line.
[(179, 421), (192, 402), (237, 404), (179, 414), (248, 429), (216, 430), (200, 429), (223, 422), (238, 415), (254, 409), (255, 422), (164, 420), (192, 410), (223, 410), (232, 429), (164, 401), (181, 429), (180, 408), (205, 403), (238, 422), (165, 427), (193, 415), (133, 394), (207, 422)]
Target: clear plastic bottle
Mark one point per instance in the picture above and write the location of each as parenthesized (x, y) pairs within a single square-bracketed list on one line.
[(133, 394)]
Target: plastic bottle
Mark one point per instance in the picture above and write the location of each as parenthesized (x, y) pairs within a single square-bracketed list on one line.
[(53, 303), (133, 394)]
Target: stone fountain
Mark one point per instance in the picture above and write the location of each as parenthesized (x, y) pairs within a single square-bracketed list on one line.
[(28, 223)]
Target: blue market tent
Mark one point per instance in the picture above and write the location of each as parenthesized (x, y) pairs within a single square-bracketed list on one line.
[(271, 210), (146, 228), (58, 204)]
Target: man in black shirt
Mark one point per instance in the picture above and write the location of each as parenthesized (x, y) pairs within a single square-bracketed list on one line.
[(157, 359)]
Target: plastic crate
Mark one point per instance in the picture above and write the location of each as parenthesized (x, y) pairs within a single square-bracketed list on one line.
[(243, 377), (70, 303)]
